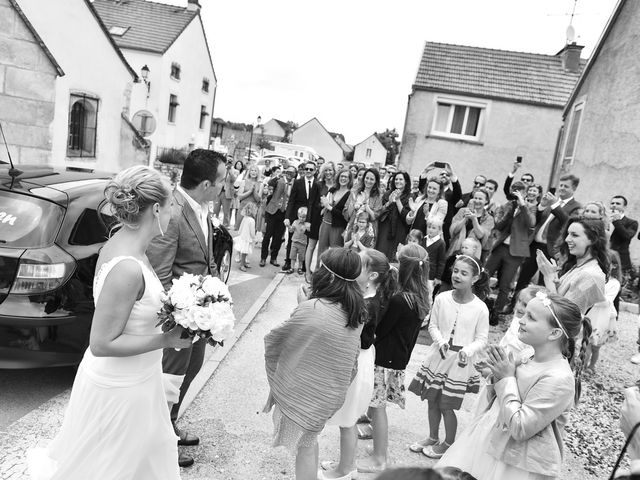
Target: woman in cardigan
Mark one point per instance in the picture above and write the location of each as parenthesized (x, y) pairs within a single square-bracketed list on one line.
[(472, 221), (326, 182), (333, 221), (311, 358), (392, 225), (430, 203), (583, 274), (249, 191)]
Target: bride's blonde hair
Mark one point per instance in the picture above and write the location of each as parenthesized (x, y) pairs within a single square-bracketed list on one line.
[(132, 191)]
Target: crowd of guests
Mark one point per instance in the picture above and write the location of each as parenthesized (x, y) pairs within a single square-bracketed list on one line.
[(396, 254)]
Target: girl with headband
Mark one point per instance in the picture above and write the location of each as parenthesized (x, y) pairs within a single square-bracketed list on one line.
[(530, 400), (459, 327), (396, 336), (311, 358)]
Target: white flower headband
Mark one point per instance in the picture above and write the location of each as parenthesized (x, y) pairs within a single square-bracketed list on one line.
[(546, 301)]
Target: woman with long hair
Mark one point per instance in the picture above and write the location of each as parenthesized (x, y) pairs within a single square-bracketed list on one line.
[(117, 423), (326, 183), (311, 358), (585, 268), (248, 191), (430, 203), (333, 221), (396, 335), (366, 197), (392, 225), (473, 221)]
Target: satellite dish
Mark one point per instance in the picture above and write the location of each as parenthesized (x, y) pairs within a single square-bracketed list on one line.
[(145, 122), (571, 34)]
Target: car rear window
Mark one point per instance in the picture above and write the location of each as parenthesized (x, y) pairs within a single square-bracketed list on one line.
[(27, 222)]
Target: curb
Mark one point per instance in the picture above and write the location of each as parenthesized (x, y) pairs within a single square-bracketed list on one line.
[(215, 358)]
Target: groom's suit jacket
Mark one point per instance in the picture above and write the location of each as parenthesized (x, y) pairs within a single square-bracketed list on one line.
[(183, 247)]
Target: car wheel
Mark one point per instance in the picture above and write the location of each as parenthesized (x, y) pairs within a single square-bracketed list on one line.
[(224, 267)]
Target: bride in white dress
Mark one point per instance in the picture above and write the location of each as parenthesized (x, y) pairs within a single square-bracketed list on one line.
[(117, 425)]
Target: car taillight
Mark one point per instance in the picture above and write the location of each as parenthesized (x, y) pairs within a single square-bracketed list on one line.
[(42, 270)]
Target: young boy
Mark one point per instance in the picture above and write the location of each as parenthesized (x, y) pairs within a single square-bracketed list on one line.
[(434, 244), (299, 239)]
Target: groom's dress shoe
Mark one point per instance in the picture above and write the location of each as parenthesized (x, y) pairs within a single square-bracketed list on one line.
[(185, 460), (185, 439)]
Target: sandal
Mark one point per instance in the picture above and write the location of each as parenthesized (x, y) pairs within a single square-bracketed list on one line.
[(332, 465), (431, 453), (243, 268), (418, 447)]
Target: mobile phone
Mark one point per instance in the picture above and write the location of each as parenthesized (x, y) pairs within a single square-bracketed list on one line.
[(439, 164), (552, 190), (519, 159)]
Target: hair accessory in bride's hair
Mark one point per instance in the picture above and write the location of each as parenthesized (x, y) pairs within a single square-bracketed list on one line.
[(546, 301), (322, 264)]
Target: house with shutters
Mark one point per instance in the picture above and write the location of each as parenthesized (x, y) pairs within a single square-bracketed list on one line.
[(330, 146), (64, 102), (167, 46), (479, 108), (599, 140)]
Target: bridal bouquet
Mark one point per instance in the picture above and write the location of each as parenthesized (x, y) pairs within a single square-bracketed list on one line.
[(202, 305)]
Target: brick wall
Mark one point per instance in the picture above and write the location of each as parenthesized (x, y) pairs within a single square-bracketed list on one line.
[(27, 91)]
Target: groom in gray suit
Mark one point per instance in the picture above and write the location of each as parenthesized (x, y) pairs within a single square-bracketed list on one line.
[(187, 246)]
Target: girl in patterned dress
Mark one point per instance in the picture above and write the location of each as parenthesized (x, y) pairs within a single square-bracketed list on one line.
[(396, 336), (459, 327)]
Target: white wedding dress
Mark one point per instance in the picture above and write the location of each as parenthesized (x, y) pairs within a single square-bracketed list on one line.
[(117, 424)]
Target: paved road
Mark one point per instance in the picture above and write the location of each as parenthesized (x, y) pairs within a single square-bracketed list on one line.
[(24, 390)]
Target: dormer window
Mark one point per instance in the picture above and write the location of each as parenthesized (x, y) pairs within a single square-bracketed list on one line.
[(118, 31), (175, 71), (205, 85)]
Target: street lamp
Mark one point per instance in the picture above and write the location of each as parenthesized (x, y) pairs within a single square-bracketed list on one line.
[(258, 120), (145, 75)]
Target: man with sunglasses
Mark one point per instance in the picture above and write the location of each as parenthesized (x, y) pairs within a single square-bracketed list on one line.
[(525, 178), (274, 214), (301, 190), (479, 182)]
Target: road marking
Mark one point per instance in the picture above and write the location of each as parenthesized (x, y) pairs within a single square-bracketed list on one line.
[(237, 277)]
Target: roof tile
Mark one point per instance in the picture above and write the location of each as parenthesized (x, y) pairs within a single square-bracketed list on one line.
[(524, 77), (152, 26)]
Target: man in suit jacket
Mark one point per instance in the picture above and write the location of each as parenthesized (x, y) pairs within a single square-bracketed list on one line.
[(187, 247), (274, 216), (301, 191), (512, 235), (226, 193), (624, 229)]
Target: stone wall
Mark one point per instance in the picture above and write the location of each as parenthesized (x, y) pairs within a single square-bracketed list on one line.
[(27, 91)]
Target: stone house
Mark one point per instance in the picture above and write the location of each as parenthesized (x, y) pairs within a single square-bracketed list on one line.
[(599, 138), (331, 146), (370, 151), (80, 119), (168, 48), (273, 130), (479, 108)]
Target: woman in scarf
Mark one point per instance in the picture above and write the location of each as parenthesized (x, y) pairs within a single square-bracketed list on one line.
[(311, 358)]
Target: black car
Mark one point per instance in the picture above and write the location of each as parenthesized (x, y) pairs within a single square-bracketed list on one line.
[(53, 223)]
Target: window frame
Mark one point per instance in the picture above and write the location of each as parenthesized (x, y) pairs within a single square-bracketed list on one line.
[(205, 85), (483, 105), (91, 131), (203, 117), (367, 153), (173, 108), (176, 71), (578, 106)]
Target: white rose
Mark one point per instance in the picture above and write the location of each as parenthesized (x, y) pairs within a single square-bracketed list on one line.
[(185, 319), (200, 318), (215, 287), (182, 296), (223, 321)]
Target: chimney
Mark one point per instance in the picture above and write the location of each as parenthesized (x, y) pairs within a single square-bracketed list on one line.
[(193, 6), (570, 56)]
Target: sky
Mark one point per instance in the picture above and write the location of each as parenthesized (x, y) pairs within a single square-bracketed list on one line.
[(351, 63)]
